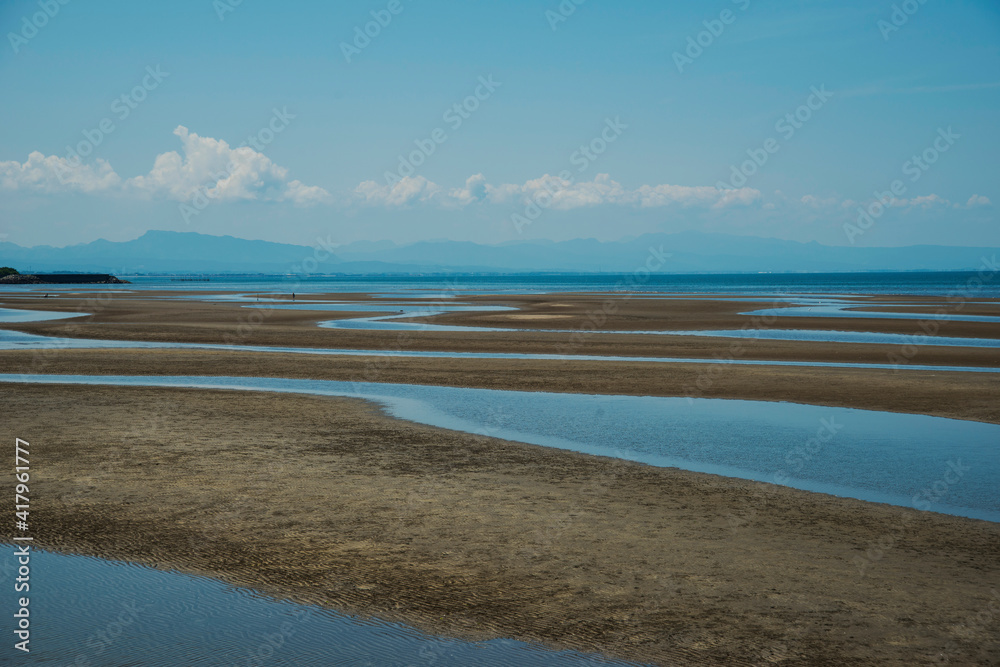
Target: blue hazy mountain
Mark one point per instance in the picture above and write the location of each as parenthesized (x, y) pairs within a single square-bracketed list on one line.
[(190, 252)]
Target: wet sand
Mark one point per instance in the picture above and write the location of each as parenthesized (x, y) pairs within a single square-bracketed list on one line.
[(328, 501), (974, 396), (145, 319), (132, 313)]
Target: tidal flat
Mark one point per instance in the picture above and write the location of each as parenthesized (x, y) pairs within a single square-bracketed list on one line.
[(333, 502)]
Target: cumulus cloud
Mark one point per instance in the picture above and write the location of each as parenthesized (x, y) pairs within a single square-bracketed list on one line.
[(49, 174), (305, 195), (551, 192), (475, 190), (212, 169), (208, 166), (223, 173), (406, 191)]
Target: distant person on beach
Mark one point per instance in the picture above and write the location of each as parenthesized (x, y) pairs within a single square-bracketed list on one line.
[(293, 296)]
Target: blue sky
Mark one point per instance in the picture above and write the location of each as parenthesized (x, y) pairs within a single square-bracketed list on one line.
[(596, 119)]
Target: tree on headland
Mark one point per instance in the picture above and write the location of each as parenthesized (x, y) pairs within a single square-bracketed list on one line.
[(7, 271)]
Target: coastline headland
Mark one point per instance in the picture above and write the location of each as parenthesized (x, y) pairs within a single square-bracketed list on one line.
[(62, 279)]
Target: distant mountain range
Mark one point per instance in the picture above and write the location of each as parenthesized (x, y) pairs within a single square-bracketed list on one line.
[(689, 252)]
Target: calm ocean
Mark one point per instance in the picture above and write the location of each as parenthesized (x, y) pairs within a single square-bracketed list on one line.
[(966, 283)]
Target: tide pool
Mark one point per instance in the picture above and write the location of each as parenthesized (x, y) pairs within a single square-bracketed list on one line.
[(89, 611)]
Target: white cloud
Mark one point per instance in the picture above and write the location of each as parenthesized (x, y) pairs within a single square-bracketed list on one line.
[(407, 191), (927, 201), (551, 192), (213, 169), (919, 202), (475, 190), (737, 197), (816, 202), (566, 195), (306, 195), (557, 193), (923, 201), (208, 166), (51, 173), (222, 173), (664, 195)]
